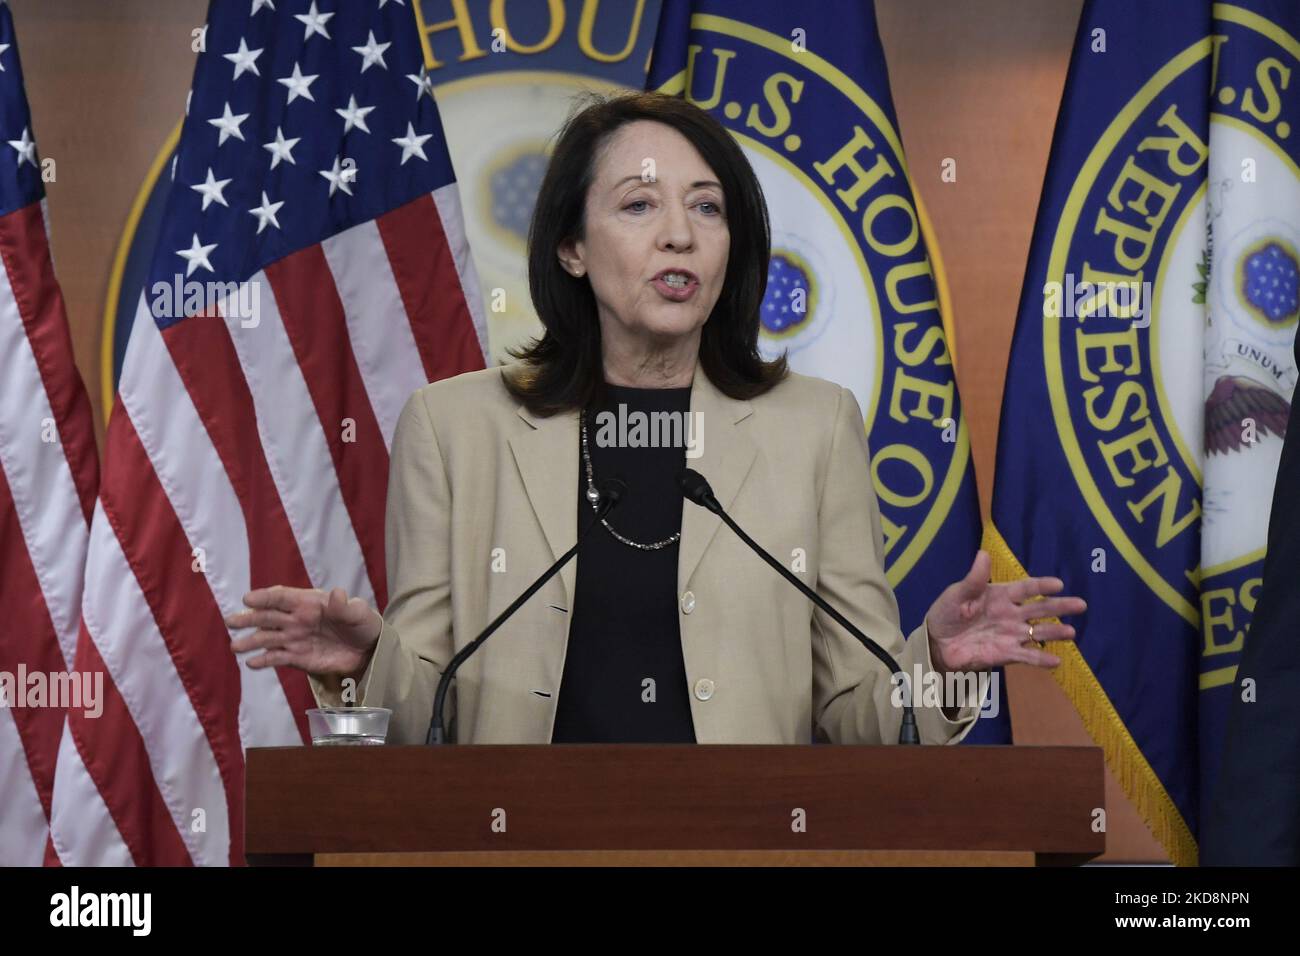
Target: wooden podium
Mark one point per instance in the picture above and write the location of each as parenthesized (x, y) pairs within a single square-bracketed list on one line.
[(647, 804)]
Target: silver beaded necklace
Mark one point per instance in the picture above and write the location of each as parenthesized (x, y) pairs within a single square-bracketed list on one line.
[(593, 498)]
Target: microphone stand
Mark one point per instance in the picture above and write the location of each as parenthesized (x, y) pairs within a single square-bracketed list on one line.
[(696, 488), (611, 490)]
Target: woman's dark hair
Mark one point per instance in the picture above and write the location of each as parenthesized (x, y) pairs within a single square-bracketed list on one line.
[(562, 369)]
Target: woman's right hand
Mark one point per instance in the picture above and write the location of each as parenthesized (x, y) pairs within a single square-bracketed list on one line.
[(307, 628)]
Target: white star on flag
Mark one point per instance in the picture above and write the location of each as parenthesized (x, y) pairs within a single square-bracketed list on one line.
[(282, 148), (412, 144), (266, 213), (320, 307), (299, 85), (339, 178), (423, 84), (315, 21), (372, 52), (211, 189), (26, 147), (196, 255), (228, 123), (245, 60), (3, 47), (354, 115)]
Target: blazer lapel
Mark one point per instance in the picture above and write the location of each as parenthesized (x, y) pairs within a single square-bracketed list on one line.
[(727, 454), (546, 454)]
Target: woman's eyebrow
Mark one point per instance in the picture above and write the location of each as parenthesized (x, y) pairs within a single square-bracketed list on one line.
[(695, 185)]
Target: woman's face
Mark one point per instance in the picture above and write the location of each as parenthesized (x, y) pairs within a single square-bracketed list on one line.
[(654, 206)]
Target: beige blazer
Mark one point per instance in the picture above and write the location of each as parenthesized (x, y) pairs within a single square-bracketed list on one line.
[(482, 498)]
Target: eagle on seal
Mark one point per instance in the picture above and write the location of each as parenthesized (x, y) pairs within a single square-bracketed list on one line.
[(1234, 399)]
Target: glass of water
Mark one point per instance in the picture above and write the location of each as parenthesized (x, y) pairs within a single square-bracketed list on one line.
[(348, 726)]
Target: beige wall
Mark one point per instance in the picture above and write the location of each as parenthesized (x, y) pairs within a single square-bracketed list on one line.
[(977, 81), (107, 83)]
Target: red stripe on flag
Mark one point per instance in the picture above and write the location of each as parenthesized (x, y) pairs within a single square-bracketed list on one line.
[(317, 328), (29, 639), (205, 357), (182, 604), (40, 303), (113, 752), (427, 279)]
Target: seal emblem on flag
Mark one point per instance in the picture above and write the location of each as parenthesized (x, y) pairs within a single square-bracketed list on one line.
[(1171, 403), (852, 295)]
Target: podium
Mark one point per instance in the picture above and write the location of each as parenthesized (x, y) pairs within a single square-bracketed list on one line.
[(682, 804)]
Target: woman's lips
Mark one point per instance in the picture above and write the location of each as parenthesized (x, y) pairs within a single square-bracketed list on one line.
[(676, 295)]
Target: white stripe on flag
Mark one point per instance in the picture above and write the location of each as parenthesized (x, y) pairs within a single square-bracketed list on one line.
[(447, 199), (40, 479), (200, 492), (378, 326), (119, 620), (296, 451), (24, 817), (81, 828)]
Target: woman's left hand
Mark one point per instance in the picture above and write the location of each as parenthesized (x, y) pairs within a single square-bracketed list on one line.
[(975, 625)]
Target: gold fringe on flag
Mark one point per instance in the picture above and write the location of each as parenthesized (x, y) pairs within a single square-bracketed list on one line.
[(1123, 756)]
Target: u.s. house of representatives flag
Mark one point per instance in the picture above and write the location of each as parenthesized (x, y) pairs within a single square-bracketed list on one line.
[(310, 274), (1151, 374), (48, 474), (853, 294)]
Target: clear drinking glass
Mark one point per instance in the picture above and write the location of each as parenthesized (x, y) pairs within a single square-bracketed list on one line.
[(348, 726)]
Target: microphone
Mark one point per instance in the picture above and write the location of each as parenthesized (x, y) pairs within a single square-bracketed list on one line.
[(696, 488), (611, 492)]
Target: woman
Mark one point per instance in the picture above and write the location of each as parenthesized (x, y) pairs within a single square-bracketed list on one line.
[(648, 257)]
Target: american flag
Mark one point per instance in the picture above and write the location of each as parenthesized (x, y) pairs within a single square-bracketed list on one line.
[(48, 475), (311, 273)]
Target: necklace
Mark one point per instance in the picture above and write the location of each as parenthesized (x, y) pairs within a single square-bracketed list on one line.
[(593, 498)]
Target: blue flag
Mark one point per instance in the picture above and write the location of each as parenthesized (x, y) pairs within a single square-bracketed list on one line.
[(1151, 375), (855, 290)]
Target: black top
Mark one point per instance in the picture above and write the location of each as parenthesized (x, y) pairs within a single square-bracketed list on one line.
[(625, 632)]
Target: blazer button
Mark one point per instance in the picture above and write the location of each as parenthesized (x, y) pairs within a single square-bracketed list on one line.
[(688, 602), (703, 688)]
